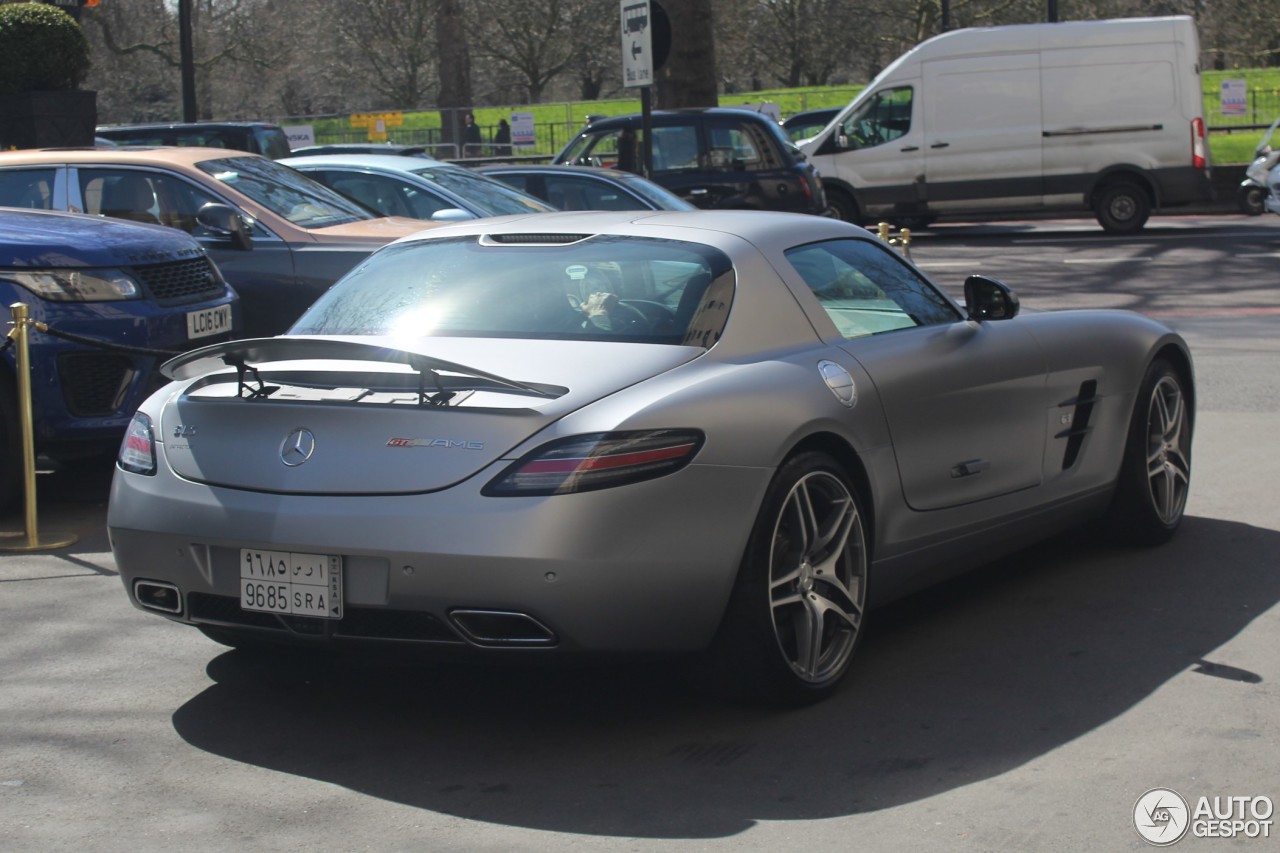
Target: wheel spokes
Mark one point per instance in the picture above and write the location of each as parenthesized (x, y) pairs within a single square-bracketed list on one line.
[(817, 576), (1168, 466)]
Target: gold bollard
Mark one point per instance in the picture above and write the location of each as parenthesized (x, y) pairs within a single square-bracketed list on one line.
[(18, 334)]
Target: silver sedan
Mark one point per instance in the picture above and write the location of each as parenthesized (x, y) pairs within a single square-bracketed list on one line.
[(719, 435)]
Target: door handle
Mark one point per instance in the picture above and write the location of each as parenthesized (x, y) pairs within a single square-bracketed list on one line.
[(940, 145), (911, 148), (968, 469), (699, 191)]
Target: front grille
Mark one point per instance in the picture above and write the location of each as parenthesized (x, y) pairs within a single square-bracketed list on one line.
[(364, 623), (180, 282), (94, 384)]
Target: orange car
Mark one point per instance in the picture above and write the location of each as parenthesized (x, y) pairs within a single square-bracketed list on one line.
[(279, 238)]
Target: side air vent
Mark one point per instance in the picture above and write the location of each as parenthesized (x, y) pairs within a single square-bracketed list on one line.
[(1078, 418), (532, 239)]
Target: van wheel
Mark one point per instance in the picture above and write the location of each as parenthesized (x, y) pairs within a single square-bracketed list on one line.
[(844, 206), (11, 473), (1122, 208)]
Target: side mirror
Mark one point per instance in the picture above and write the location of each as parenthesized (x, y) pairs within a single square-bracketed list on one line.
[(988, 299), (451, 214), (224, 222)]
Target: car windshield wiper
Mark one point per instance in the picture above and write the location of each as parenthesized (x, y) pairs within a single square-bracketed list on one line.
[(246, 355)]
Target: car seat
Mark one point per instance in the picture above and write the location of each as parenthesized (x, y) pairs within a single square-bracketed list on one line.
[(129, 197)]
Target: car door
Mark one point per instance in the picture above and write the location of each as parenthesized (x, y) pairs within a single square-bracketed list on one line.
[(677, 165), (877, 150), (263, 275), (964, 401)]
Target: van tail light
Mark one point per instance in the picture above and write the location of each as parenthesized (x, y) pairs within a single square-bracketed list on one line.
[(1199, 150), (602, 460), (138, 450)]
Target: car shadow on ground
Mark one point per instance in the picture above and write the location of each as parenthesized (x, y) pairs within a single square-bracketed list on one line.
[(956, 685)]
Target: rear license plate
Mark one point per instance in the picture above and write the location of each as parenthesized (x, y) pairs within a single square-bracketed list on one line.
[(209, 321), (300, 584)]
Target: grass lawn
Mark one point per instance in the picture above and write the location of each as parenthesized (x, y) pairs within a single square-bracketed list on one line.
[(556, 123)]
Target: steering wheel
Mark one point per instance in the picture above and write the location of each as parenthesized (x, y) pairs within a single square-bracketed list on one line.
[(658, 318)]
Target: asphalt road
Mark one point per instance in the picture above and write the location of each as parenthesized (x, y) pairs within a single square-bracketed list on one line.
[(1026, 706)]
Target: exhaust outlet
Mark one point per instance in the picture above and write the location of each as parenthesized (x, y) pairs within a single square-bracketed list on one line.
[(159, 596), (502, 628)]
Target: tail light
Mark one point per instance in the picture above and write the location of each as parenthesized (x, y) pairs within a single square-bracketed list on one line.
[(1199, 151), (138, 450), (584, 463)]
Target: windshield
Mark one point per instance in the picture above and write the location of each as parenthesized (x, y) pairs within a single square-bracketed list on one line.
[(598, 288), (493, 198), (285, 192)]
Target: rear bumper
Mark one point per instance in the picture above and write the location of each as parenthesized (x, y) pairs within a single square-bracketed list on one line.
[(640, 568)]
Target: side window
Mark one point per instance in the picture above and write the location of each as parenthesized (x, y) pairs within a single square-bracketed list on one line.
[(29, 188), (675, 149), (883, 118), (151, 197), (734, 147), (616, 149), (866, 289), (573, 193), (386, 196)]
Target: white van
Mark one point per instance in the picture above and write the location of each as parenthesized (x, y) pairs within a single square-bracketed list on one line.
[(1104, 116)]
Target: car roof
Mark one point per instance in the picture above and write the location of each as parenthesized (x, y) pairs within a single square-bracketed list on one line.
[(139, 155), (386, 162), (363, 148), (557, 169), (807, 115), (713, 227), (183, 125), (674, 116)]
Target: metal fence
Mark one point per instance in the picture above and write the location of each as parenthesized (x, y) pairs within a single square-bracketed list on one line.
[(550, 136)]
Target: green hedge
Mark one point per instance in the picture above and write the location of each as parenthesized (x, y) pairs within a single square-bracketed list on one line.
[(42, 49)]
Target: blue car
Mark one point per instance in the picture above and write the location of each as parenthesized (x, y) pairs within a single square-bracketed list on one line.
[(144, 289)]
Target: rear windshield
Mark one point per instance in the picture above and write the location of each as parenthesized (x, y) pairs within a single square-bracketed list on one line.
[(599, 288)]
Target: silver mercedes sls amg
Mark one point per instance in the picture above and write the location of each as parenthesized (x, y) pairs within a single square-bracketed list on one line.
[(720, 435)]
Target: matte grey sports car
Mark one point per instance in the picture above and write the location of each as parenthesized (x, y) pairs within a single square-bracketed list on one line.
[(713, 433)]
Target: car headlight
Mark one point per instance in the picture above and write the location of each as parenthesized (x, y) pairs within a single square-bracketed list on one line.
[(584, 463), (138, 450), (72, 285)]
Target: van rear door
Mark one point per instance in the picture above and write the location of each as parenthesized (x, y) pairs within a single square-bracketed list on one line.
[(982, 139)]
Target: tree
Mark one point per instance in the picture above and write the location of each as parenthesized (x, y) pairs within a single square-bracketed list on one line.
[(395, 40), (539, 39), (689, 78)]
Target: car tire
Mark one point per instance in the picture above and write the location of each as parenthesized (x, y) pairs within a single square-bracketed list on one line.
[(11, 473), (1122, 207), (1155, 474), (796, 612), (843, 205)]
